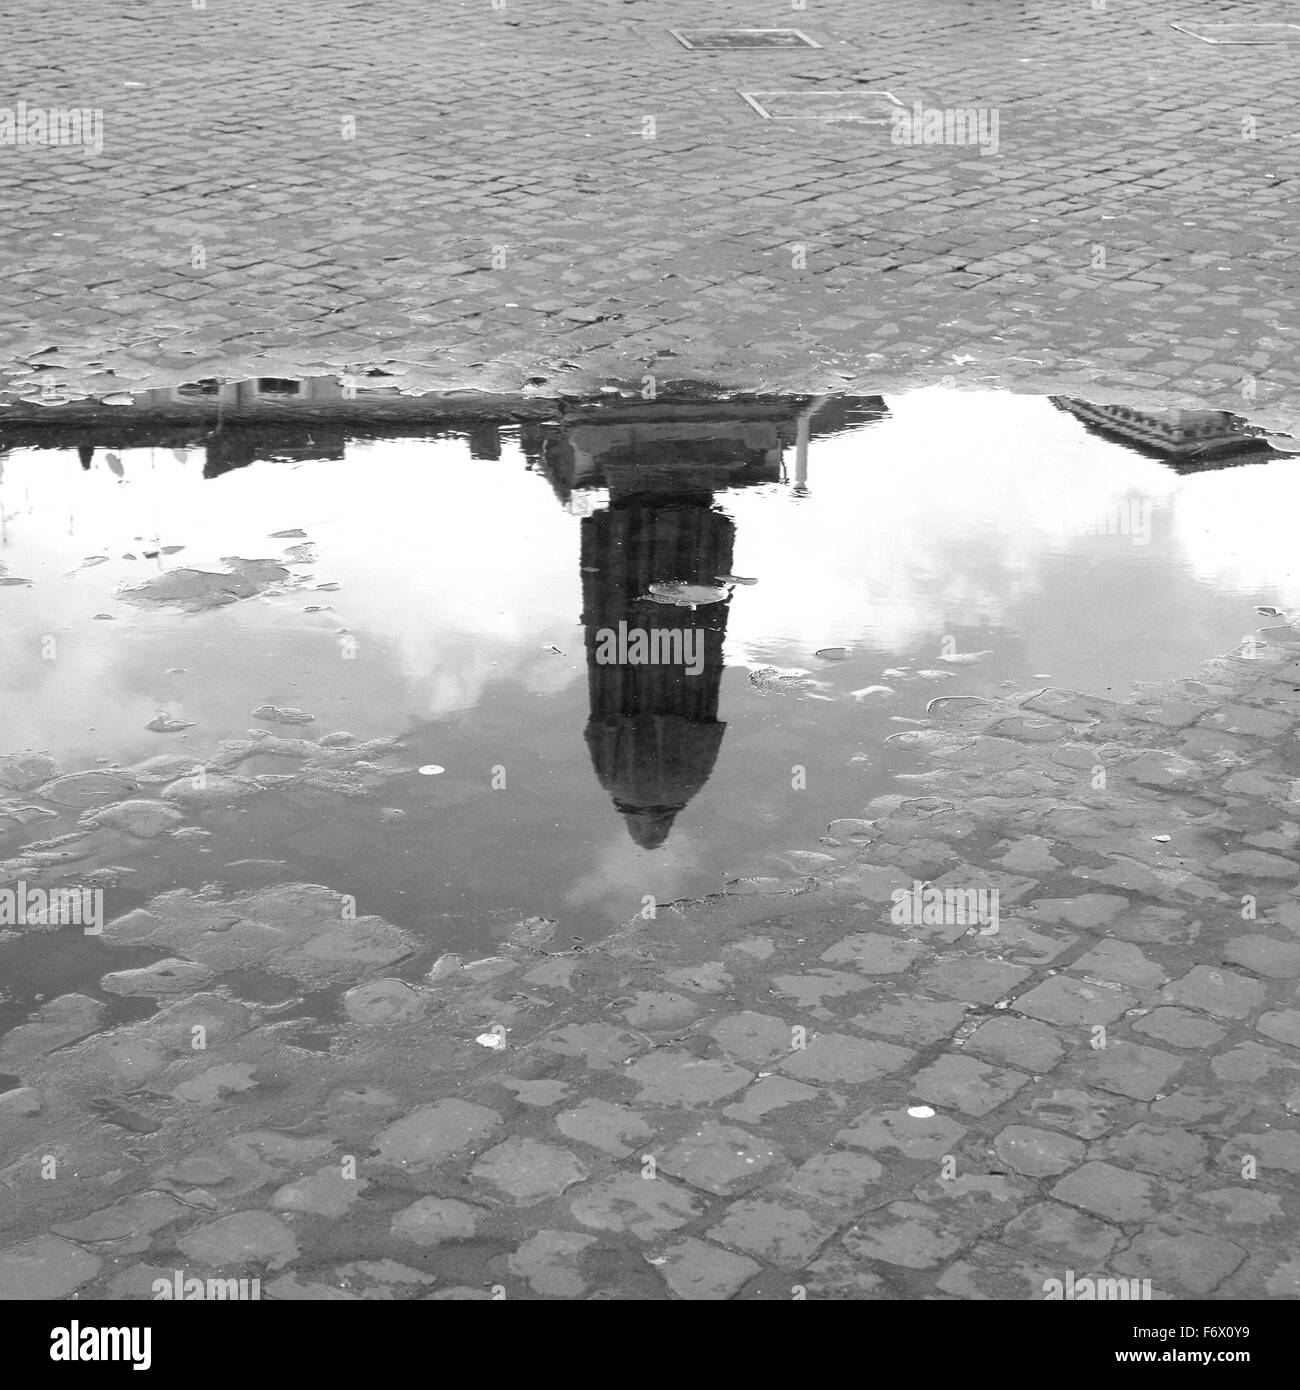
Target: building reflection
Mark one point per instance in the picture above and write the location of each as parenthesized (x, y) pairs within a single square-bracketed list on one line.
[(653, 730), (1188, 441)]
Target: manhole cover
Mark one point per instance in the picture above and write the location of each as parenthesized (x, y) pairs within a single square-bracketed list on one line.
[(874, 108), (1240, 33), (743, 38)]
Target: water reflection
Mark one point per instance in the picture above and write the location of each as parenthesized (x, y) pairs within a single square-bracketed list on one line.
[(476, 550)]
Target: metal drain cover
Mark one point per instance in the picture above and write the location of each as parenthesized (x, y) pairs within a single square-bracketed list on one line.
[(743, 38), (1240, 33), (873, 108)]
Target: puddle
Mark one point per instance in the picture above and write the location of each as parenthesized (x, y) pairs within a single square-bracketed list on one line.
[(649, 647)]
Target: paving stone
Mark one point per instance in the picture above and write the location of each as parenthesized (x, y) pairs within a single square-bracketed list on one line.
[(914, 1136), (808, 991), (645, 1207), (549, 1262), (431, 1134), (905, 1234), (602, 1046), (1279, 960), (45, 1268), (974, 980), (779, 1232), (1088, 910), (966, 1084), (433, 1220), (1279, 1148), (837, 1057), (1247, 1063), (1223, 993), (1190, 1104), (1171, 1153), (542, 1094), (720, 1158), (1017, 1042), (915, 1021), (1282, 1025), (1247, 720), (1076, 1003), (657, 1009), (872, 954), (768, 1094), (127, 1227), (1049, 1228), (384, 1001), (324, 1193), (1255, 863), (246, 1237), (1121, 963), (976, 1201), (1181, 1262), (614, 1129), (837, 1274), (694, 1269), (1038, 1153), (711, 976), (680, 1078), (1243, 1207), (835, 1177), (753, 1037), (528, 1171), (1129, 1069), (1109, 1192), (1180, 1028), (989, 1271)]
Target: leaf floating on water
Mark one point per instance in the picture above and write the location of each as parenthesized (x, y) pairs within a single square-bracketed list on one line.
[(731, 579), (682, 595), (872, 690), (920, 1112), (832, 653), (13, 579), (965, 658), (297, 534), (431, 770), (165, 724), (115, 465), (275, 714), (118, 398), (171, 549), (92, 560), (1270, 612)]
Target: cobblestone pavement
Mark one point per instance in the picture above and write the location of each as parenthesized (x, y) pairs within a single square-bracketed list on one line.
[(471, 192), (778, 1089)]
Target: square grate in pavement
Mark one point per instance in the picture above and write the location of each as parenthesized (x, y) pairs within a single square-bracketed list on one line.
[(872, 108), (743, 38), (1238, 33)]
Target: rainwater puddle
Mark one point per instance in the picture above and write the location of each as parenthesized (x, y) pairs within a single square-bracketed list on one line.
[(469, 579)]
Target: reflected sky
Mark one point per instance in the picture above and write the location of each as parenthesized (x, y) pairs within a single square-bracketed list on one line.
[(995, 523)]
